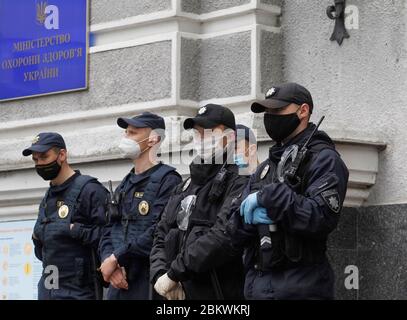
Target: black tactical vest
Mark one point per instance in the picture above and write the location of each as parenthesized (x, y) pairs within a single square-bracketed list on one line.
[(71, 257)]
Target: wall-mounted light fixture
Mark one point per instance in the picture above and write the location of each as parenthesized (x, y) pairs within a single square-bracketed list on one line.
[(337, 13)]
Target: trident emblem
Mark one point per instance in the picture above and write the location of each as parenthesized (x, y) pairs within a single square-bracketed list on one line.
[(41, 12)]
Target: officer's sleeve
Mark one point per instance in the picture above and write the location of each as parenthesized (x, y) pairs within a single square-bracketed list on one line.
[(214, 247), (105, 245), (158, 255), (37, 248), (93, 205), (241, 234), (141, 246), (315, 213), (36, 241)]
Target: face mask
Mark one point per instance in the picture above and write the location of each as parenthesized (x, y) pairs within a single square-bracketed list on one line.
[(240, 162), (208, 147), (130, 149), (48, 171), (279, 127)]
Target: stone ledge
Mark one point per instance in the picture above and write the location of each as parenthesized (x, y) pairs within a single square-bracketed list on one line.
[(104, 35), (95, 149)]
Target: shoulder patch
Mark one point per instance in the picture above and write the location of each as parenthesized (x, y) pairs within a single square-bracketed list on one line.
[(331, 198)]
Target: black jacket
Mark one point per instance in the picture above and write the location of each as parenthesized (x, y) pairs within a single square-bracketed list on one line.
[(304, 217), (202, 255)]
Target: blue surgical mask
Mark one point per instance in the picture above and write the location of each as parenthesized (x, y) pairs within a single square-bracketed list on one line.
[(240, 162)]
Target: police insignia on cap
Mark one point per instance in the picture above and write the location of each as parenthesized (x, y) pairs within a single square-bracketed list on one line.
[(202, 110), (143, 207), (271, 92), (264, 172), (186, 184), (331, 198), (63, 211), (36, 139)]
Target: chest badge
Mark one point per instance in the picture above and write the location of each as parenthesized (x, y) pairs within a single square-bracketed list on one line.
[(186, 184), (63, 211), (60, 203), (143, 207), (138, 194), (264, 172)]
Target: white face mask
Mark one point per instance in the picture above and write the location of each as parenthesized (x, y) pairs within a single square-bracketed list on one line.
[(130, 149), (209, 146)]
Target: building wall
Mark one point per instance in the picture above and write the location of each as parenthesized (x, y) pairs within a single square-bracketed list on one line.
[(361, 85), (173, 56)]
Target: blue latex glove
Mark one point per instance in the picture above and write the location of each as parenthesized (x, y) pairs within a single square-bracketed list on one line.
[(248, 206), (260, 216)]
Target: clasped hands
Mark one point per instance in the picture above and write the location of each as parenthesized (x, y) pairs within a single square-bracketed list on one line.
[(251, 211), (115, 274)]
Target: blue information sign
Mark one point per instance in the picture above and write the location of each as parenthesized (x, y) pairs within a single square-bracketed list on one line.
[(43, 47)]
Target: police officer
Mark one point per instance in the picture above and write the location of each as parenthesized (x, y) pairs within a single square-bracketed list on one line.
[(246, 150), (69, 223), (126, 242), (192, 256), (288, 217)]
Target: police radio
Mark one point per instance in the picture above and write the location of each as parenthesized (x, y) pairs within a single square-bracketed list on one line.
[(218, 184), (287, 169), (112, 204)]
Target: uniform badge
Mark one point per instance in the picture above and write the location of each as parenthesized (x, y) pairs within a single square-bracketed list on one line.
[(331, 198), (186, 184), (63, 211), (35, 140), (202, 110), (60, 203), (271, 92), (143, 207), (264, 172), (138, 194)]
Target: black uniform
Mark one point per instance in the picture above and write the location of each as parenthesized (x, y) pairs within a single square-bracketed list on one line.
[(296, 267), (202, 257), (80, 200), (130, 237)]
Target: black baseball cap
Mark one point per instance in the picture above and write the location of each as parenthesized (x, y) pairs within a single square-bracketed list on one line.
[(210, 116), (282, 95), (245, 133), (45, 141), (144, 120)]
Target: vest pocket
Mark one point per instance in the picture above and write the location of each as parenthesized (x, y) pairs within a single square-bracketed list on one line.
[(80, 271), (275, 255), (293, 247), (196, 233)]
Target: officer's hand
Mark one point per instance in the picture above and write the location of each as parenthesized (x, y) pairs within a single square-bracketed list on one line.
[(118, 281), (124, 272), (248, 206), (164, 284), (176, 294), (260, 216), (108, 266)]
